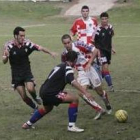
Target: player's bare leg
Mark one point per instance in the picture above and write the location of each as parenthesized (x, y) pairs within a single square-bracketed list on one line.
[(104, 97), (31, 89), (22, 92)]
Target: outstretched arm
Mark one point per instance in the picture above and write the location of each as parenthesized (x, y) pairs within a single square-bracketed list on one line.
[(83, 92), (86, 96), (53, 54)]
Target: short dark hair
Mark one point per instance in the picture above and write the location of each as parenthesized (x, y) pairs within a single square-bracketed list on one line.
[(17, 30), (84, 7), (65, 36), (71, 56), (104, 14)]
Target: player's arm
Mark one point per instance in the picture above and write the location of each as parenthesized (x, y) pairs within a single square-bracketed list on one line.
[(45, 50), (83, 92), (86, 96), (73, 30), (113, 48), (5, 55), (93, 55)]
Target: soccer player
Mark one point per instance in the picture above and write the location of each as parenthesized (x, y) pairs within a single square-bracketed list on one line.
[(87, 74), (52, 93), (84, 27), (17, 51), (103, 41)]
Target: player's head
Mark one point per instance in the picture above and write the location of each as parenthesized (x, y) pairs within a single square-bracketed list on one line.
[(19, 34), (104, 18), (85, 11), (71, 58), (67, 42)]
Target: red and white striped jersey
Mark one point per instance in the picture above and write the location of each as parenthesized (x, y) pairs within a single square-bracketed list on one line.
[(83, 51), (84, 29)]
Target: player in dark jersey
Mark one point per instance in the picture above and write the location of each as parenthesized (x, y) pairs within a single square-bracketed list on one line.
[(17, 52), (103, 41), (52, 94)]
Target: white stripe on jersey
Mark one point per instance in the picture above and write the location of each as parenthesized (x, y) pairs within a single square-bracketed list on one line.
[(68, 67), (10, 45), (69, 71), (27, 43), (31, 45)]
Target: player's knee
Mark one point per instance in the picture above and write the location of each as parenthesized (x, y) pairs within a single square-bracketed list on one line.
[(31, 90), (76, 100)]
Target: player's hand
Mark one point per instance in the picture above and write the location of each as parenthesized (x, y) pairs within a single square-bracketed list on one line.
[(113, 51), (54, 54), (6, 53)]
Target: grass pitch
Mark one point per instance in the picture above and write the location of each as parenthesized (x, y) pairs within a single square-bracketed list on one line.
[(44, 26)]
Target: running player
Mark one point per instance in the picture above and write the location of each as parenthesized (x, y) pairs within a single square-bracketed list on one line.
[(103, 41), (17, 52), (52, 94), (87, 74)]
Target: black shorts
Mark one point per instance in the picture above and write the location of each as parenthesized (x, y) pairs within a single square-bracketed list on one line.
[(52, 98), (19, 79), (106, 56)]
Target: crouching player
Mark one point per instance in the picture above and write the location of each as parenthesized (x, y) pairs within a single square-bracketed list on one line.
[(52, 94)]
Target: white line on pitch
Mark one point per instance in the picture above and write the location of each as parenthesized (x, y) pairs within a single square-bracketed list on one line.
[(121, 90), (36, 25)]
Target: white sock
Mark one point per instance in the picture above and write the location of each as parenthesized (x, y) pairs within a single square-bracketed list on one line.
[(29, 123), (71, 123)]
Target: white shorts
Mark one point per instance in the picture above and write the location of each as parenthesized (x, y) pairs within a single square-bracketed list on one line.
[(90, 77)]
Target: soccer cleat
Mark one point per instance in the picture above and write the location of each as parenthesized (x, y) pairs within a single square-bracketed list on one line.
[(111, 88), (100, 114), (75, 129), (38, 100), (108, 109), (27, 126)]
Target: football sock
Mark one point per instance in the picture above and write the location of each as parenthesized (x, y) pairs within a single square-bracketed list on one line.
[(105, 98), (33, 94), (30, 103), (72, 112), (38, 114), (107, 76)]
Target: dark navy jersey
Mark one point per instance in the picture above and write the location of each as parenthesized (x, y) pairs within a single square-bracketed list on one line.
[(61, 75), (103, 38), (18, 56)]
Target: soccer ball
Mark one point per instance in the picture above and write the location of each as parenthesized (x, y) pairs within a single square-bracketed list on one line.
[(121, 116)]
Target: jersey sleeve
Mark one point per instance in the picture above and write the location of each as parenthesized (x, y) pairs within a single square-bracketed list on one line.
[(74, 28), (32, 46), (83, 47), (69, 74), (112, 30), (8, 45)]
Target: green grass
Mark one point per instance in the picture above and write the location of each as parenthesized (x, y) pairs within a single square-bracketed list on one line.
[(125, 72)]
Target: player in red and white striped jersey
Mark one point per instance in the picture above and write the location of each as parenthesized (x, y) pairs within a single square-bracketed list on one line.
[(87, 74), (84, 27)]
